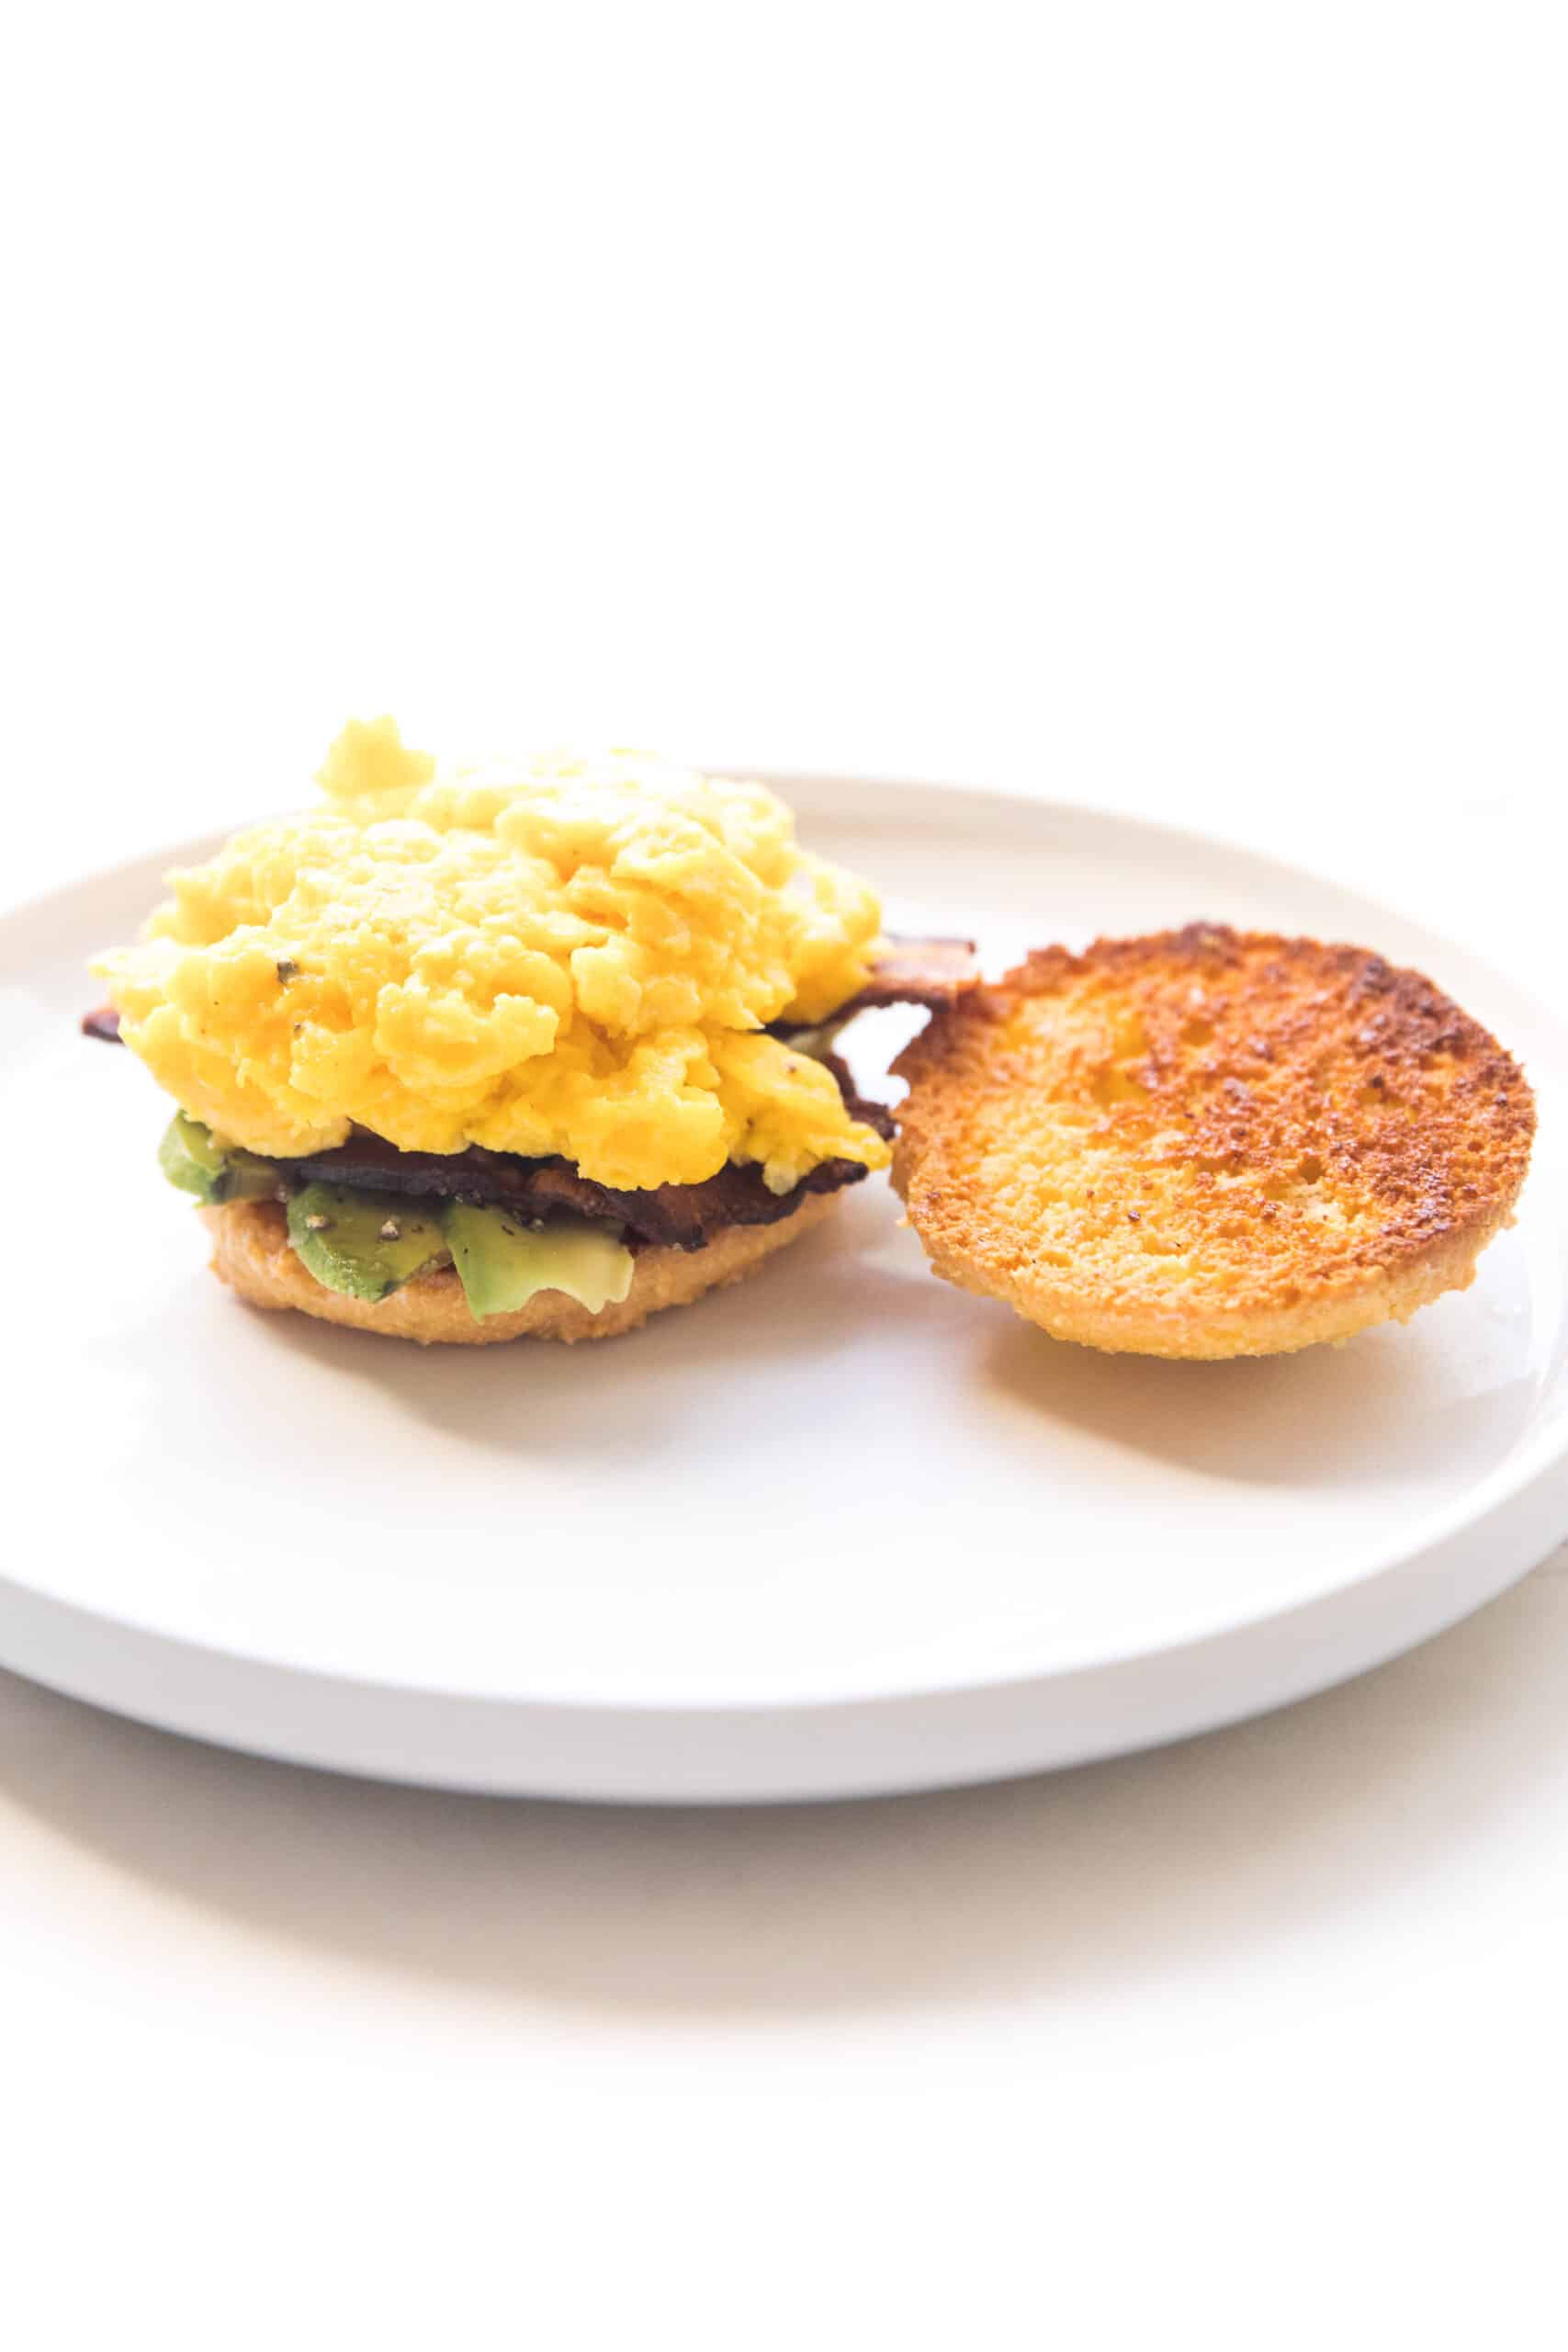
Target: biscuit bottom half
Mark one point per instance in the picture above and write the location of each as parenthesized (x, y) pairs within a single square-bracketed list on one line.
[(252, 1254)]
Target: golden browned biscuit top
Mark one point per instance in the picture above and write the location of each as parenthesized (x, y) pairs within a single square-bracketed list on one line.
[(1207, 1142)]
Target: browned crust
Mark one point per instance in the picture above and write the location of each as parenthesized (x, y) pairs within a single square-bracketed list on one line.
[(1210, 1143), (252, 1254)]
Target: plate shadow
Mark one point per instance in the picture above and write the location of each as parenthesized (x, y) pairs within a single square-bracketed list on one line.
[(1123, 1870)]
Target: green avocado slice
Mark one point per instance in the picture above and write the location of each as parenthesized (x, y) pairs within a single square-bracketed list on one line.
[(502, 1262), (191, 1159), (364, 1244)]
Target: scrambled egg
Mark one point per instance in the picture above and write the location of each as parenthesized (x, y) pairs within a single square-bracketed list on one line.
[(559, 957)]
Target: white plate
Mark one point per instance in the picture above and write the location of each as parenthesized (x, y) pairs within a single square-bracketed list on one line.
[(839, 1528)]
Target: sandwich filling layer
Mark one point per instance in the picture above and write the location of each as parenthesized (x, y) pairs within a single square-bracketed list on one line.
[(365, 1218)]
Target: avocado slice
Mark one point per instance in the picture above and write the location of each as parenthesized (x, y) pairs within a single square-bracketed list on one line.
[(364, 1244), (502, 1262), (191, 1159), (246, 1178)]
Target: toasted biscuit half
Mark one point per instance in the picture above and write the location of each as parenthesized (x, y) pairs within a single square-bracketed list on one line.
[(252, 1254), (1209, 1142)]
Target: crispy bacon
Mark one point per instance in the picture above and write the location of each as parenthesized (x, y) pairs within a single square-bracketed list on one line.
[(678, 1216), (932, 972), (929, 972)]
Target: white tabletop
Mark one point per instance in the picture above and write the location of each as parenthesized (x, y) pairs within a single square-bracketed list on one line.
[(1169, 415)]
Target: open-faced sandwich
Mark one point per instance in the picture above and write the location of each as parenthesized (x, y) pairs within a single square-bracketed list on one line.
[(531, 1048), (472, 1053)]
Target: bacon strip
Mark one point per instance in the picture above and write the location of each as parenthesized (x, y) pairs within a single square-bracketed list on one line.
[(677, 1216), (932, 972)]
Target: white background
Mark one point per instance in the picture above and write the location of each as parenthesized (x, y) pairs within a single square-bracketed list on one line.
[(1165, 405)]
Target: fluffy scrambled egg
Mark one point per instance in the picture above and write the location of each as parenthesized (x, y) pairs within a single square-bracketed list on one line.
[(559, 957)]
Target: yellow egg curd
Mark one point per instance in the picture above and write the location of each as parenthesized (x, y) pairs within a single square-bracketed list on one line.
[(552, 956)]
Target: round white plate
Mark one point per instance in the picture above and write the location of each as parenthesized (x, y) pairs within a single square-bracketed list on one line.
[(838, 1529)]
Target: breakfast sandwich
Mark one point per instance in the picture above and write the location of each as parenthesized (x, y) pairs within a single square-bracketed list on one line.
[(1210, 1143), (475, 1053)]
